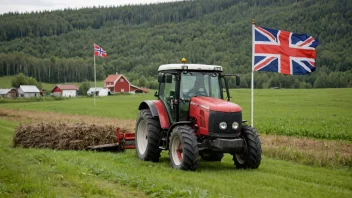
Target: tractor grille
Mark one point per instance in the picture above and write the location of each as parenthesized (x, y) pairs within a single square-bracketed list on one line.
[(216, 117)]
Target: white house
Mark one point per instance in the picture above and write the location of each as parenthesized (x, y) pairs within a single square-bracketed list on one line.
[(65, 90), (28, 91), (100, 91)]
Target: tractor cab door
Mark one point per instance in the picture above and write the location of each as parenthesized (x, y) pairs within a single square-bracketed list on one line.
[(167, 94)]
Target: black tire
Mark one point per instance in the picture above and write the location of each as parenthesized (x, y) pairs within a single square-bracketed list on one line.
[(147, 149), (183, 148), (251, 154), (211, 156)]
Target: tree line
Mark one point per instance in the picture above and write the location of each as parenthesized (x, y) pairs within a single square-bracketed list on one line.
[(59, 47)]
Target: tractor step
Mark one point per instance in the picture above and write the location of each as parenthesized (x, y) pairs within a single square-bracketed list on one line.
[(163, 145)]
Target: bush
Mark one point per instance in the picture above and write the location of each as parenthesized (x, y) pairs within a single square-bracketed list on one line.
[(21, 79), (83, 88)]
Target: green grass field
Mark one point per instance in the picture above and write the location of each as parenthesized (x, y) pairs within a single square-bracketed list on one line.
[(50, 173), (318, 113)]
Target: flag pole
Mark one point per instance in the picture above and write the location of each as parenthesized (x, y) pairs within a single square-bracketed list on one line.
[(252, 79), (95, 80)]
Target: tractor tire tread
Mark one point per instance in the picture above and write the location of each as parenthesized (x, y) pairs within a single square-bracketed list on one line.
[(154, 135), (254, 150), (190, 147)]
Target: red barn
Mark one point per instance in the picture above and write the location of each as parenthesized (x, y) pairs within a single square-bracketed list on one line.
[(118, 83), (65, 90)]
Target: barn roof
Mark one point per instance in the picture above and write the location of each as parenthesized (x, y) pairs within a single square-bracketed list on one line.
[(112, 78), (67, 87), (29, 89), (4, 91), (145, 90)]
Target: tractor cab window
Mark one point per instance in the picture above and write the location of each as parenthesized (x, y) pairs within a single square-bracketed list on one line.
[(197, 84), (167, 94)]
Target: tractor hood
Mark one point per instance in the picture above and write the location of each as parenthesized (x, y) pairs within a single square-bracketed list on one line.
[(215, 104)]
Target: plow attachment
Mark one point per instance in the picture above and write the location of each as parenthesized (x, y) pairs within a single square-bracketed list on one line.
[(123, 141)]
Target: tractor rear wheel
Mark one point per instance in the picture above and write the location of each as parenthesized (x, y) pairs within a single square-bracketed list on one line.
[(211, 156), (251, 154), (183, 148), (148, 134)]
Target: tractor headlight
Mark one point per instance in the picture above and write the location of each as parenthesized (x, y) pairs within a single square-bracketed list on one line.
[(235, 125), (222, 125)]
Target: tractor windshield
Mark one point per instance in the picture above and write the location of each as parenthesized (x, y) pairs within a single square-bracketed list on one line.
[(199, 84)]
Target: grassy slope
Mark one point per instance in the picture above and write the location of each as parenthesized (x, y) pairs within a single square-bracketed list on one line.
[(48, 173), (5, 82), (320, 113)]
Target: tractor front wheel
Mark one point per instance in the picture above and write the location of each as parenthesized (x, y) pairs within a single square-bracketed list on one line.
[(251, 154), (183, 148), (148, 134)]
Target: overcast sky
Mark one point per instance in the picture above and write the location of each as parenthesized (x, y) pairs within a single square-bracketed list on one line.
[(33, 5)]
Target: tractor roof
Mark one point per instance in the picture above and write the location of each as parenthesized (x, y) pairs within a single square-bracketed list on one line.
[(200, 67)]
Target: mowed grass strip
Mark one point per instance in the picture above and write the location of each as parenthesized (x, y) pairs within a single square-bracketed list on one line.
[(318, 113), (50, 173)]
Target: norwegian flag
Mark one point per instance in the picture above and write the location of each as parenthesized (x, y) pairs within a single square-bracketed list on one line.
[(284, 52), (98, 51)]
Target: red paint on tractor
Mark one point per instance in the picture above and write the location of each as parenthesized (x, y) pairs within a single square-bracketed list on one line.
[(123, 138), (216, 104), (179, 152), (164, 120), (200, 107)]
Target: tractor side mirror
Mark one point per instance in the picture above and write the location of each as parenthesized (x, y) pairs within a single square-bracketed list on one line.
[(168, 78), (161, 78), (238, 81)]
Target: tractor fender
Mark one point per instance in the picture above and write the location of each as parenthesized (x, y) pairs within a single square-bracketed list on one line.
[(175, 125), (158, 110)]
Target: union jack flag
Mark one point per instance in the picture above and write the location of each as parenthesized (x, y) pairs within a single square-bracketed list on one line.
[(284, 52), (98, 51)]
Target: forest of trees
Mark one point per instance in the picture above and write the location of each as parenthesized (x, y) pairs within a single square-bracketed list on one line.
[(57, 46)]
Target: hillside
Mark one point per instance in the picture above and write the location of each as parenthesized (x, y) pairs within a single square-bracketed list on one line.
[(57, 46)]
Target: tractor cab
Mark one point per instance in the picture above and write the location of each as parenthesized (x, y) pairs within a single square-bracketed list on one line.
[(178, 83), (192, 119)]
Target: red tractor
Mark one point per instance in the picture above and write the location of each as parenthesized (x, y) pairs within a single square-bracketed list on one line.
[(192, 119)]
